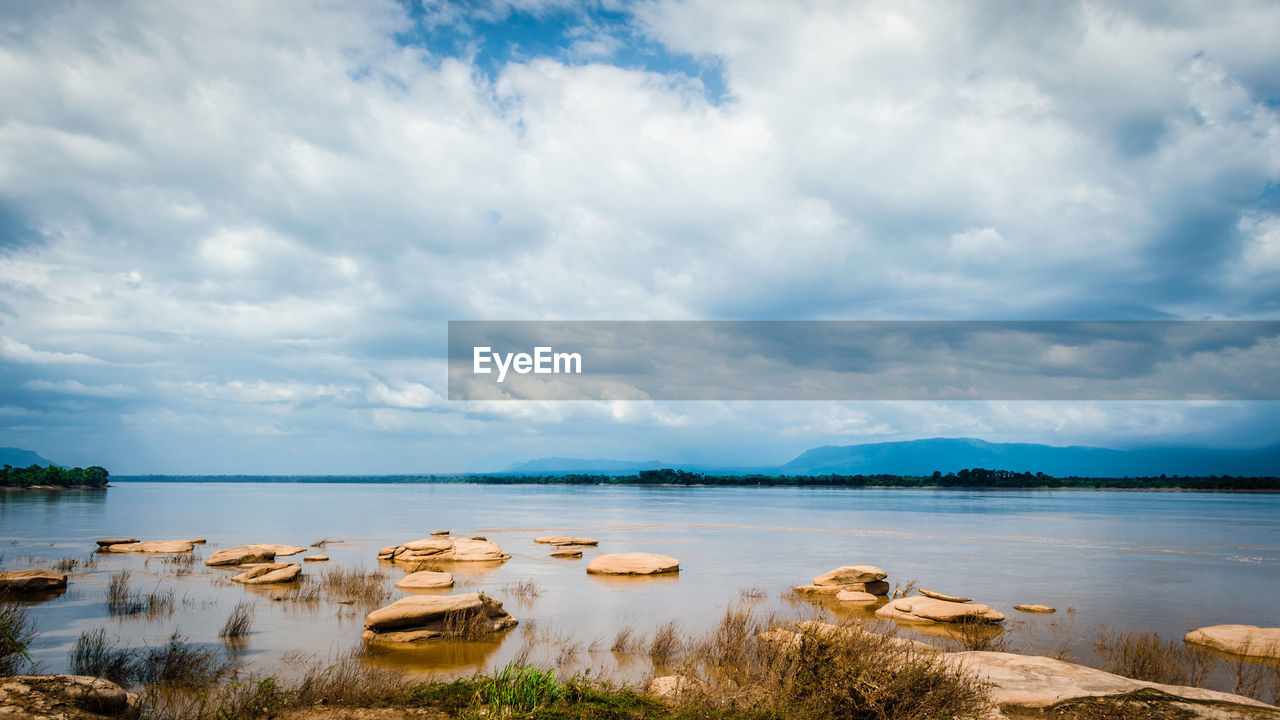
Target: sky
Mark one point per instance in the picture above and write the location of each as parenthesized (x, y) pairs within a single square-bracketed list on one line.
[(232, 234)]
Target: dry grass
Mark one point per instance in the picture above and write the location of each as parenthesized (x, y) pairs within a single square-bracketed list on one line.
[(971, 633), (96, 656), (1147, 656), (71, 564), (903, 590), (754, 592), (179, 564), (122, 600), (321, 543), (523, 589), (627, 640), (465, 626), (350, 584), (17, 630), (239, 622), (666, 643)]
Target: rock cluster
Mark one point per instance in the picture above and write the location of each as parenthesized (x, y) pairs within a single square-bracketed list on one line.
[(636, 563), (923, 610), (428, 617), (853, 581), (444, 548), (1248, 640), (268, 573), (31, 581)]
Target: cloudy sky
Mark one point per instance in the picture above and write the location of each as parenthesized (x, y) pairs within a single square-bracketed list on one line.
[(231, 234)]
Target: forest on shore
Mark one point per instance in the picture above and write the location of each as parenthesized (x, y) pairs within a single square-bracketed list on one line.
[(53, 476)]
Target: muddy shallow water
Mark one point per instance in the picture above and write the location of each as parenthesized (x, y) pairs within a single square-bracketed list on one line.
[(1166, 562)]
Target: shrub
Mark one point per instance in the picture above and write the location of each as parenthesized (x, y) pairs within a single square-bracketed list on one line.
[(17, 630)]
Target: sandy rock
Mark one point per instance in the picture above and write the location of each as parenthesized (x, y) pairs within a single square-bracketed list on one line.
[(426, 579), (116, 541), (924, 610), (64, 697), (877, 587), (241, 555), (427, 617), (1030, 681), (940, 596), (440, 532), (635, 563), (1248, 640), (270, 573), (567, 540), (151, 546), (853, 596), (567, 552), (316, 558), (282, 550), (1032, 608), (445, 548), (851, 574), (32, 581), (477, 537)]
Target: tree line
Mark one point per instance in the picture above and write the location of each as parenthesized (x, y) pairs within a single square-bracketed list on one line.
[(93, 476)]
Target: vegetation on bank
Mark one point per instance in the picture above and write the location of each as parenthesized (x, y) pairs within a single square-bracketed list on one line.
[(53, 475), (968, 478)]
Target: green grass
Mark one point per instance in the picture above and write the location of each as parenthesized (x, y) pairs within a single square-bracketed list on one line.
[(517, 690), (17, 630)]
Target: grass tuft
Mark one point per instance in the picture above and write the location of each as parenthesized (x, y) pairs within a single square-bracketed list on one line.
[(239, 622), (122, 600), (96, 656), (17, 630)]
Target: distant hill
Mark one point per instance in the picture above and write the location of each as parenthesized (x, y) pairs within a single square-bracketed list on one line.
[(562, 466), (923, 457), (17, 457)]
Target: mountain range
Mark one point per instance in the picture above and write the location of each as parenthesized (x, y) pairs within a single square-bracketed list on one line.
[(17, 457), (923, 457)]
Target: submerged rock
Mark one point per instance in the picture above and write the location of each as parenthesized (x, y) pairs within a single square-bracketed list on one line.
[(445, 548), (428, 617), (925, 610), (64, 697), (1248, 640), (31, 581), (853, 596), (268, 573), (567, 552), (151, 546), (636, 563), (115, 541), (439, 532), (426, 579), (877, 587), (566, 540), (316, 558)]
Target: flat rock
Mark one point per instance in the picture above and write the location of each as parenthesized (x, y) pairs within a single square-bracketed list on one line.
[(31, 581), (1030, 681), (477, 537), (282, 550), (567, 540), (64, 697), (1033, 608), (1248, 640), (876, 587), (926, 610), (853, 596), (636, 563), (428, 617), (426, 579), (567, 552), (241, 555), (940, 596), (151, 546), (115, 541), (440, 532), (850, 574), (316, 558), (270, 573), (445, 548)]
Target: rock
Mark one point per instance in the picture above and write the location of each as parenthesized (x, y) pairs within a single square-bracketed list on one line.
[(116, 541), (851, 574), (1028, 608), (635, 563), (426, 579), (31, 581), (444, 548), (152, 546), (1030, 681), (477, 537), (567, 552), (270, 573), (316, 558), (241, 555), (877, 587), (64, 697), (427, 617), (567, 540), (199, 541), (282, 550), (440, 532), (924, 610), (940, 596), (853, 596), (1248, 640)]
